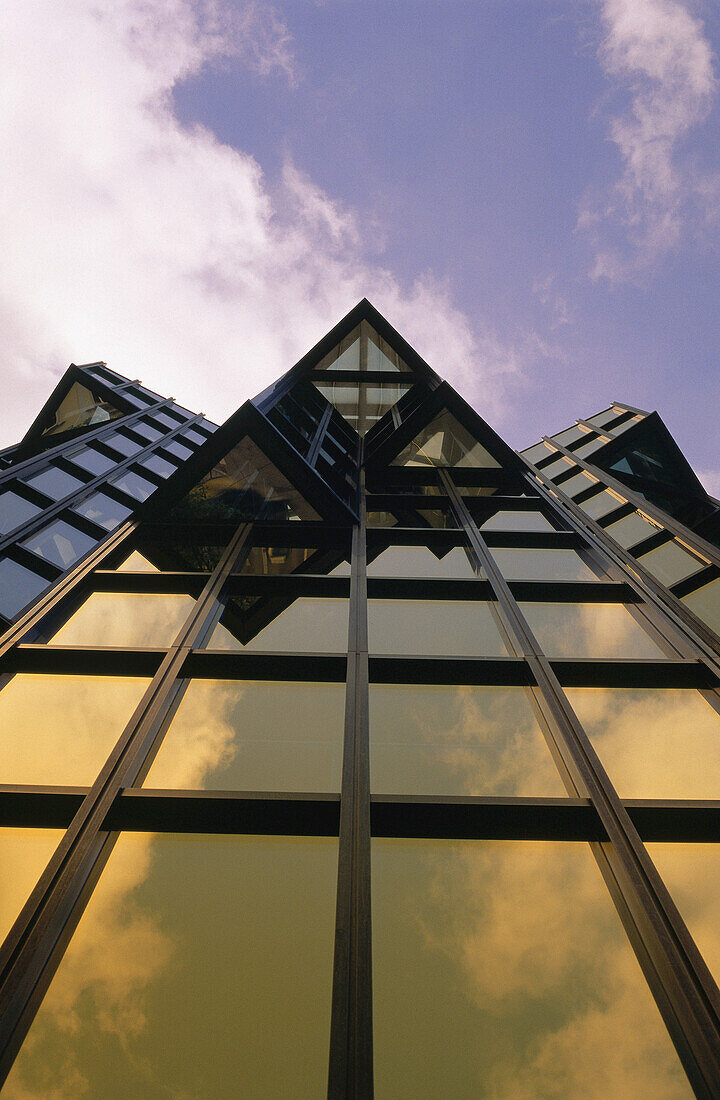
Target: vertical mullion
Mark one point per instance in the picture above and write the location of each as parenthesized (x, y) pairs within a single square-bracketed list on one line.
[(351, 1055), (681, 983)]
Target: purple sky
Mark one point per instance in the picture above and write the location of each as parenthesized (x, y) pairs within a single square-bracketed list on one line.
[(530, 191)]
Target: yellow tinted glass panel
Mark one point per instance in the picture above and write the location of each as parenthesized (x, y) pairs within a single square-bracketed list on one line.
[(308, 625), (670, 563), (588, 630), (60, 729), (502, 970), (202, 967), (542, 565), (705, 602), (126, 619), (24, 854), (692, 875), (420, 561), (249, 736), (457, 628)]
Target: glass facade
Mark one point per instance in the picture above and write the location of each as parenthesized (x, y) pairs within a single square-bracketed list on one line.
[(323, 735)]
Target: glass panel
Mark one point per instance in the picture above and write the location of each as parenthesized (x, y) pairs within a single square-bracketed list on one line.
[(381, 519), (705, 602), (60, 729), (657, 743), (632, 529), (244, 485), (236, 735), (363, 349), (91, 460), (103, 510), (628, 424), (445, 442), (591, 446), (167, 420), (380, 356), (517, 521), (536, 453), (80, 408), (147, 431), (191, 975), (137, 563), (346, 356), (269, 561), (588, 630), (559, 466), (501, 969), (603, 418), (420, 561), (670, 563), (15, 510), (576, 484), (600, 504), (455, 628), (570, 435), (194, 437), (177, 449), (122, 443), (59, 543), (457, 741), (158, 465), (308, 625), (55, 483), (692, 875), (18, 586), (126, 619), (363, 404), (24, 854), (135, 486), (543, 565)]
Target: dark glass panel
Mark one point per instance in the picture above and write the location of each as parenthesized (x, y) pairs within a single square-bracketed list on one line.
[(588, 630), (507, 520), (126, 619), (670, 563), (18, 587), (657, 743), (362, 404), (501, 969), (420, 561), (457, 628), (445, 442), (250, 736), (542, 565), (705, 602), (381, 519), (457, 741), (135, 486), (61, 729), (308, 625), (24, 854), (14, 511), (202, 967), (103, 510), (59, 543), (269, 561), (92, 461), (55, 483)]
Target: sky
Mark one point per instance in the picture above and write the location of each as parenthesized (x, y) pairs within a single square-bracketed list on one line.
[(195, 191)]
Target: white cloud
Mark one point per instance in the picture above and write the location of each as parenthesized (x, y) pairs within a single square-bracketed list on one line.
[(710, 480), (657, 50), (130, 238)]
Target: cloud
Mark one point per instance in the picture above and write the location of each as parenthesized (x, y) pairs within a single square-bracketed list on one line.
[(711, 481), (131, 238), (657, 51)]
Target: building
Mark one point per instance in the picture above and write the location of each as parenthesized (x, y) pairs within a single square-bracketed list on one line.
[(342, 735)]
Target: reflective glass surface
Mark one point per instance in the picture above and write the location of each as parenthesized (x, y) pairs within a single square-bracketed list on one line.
[(254, 736), (135, 562), (420, 561), (508, 520), (591, 446), (177, 449), (308, 625), (269, 561), (91, 460), (631, 530), (603, 418), (577, 484), (18, 586), (15, 510), (147, 431), (59, 543), (445, 442), (55, 483), (501, 969), (24, 854), (60, 729), (190, 975), (600, 504), (122, 443), (705, 602), (692, 875), (670, 563), (657, 743), (126, 619), (542, 565), (135, 486), (80, 408), (588, 630), (362, 404), (457, 741), (559, 466), (158, 465), (570, 435), (103, 510), (537, 453), (457, 628)]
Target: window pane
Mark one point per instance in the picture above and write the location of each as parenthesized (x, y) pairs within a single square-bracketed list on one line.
[(517, 521), (15, 510), (501, 969), (457, 741), (591, 446), (237, 735), (126, 619), (559, 466), (420, 561), (588, 630), (135, 562), (445, 442), (670, 563), (122, 443), (18, 586), (158, 465), (631, 530), (455, 628), (103, 510), (656, 743), (570, 435), (55, 483), (177, 449), (536, 453), (308, 625), (692, 875), (147, 431), (603, 418), (577, 484), (135, 486), (60, 543), (190, 975), (92, 461), (24, 854), (542, 565), (705, 602), (60, 729), (600, 504)]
